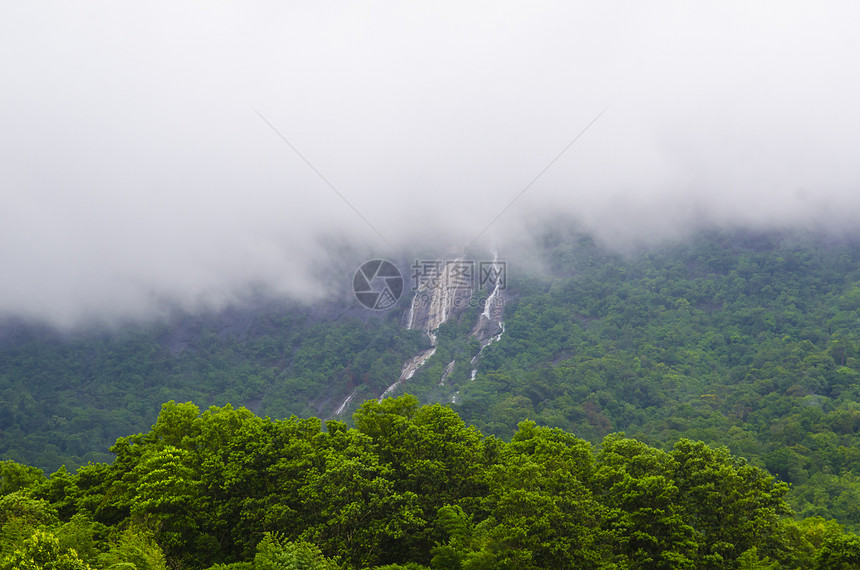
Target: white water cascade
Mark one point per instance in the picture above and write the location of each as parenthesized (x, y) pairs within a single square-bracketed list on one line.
[(433, 304), (490, 326), (346, 403), (436, 300), (412, 365)]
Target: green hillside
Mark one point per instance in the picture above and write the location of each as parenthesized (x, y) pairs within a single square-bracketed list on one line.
[(738, 339), (743, 340), (65, 398)]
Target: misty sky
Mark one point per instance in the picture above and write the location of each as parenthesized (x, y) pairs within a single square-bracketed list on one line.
[(134, 169)]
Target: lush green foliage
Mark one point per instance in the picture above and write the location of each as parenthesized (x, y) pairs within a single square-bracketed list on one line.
[(743, 340), (64, 398), (408, 487)]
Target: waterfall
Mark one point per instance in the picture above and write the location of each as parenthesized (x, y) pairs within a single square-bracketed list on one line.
[(448, 370), (409, 368), (490, 327), (346, 402), (438, 297), (431, 307)]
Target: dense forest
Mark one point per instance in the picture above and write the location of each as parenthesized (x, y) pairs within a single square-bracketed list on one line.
[(747, 340), (66, 396), (409, 487)]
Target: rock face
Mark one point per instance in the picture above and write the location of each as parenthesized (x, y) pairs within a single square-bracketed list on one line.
[(490, 325), (443, 296), (409, 369), (440, 296)]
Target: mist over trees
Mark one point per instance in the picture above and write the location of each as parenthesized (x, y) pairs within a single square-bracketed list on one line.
[(137, 173), (674, 373), (740, 339)]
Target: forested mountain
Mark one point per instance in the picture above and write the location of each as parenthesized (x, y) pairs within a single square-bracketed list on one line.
[(65, 397), (743, 340), (408, 488), (736, 338)]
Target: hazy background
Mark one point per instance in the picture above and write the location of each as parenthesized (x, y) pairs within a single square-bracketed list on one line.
[(134, 170)]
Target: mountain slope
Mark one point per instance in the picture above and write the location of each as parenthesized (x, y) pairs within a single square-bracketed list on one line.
[(743, 339)]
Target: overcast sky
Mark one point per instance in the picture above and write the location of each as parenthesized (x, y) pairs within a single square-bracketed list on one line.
[(134, 168)]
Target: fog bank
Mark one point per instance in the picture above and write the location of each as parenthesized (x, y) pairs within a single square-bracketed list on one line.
[(135, 172)]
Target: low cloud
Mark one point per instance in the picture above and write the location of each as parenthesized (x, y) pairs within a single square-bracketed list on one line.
[(136, 174)]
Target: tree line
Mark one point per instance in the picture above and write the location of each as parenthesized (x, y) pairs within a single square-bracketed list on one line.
[(409, 487)]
